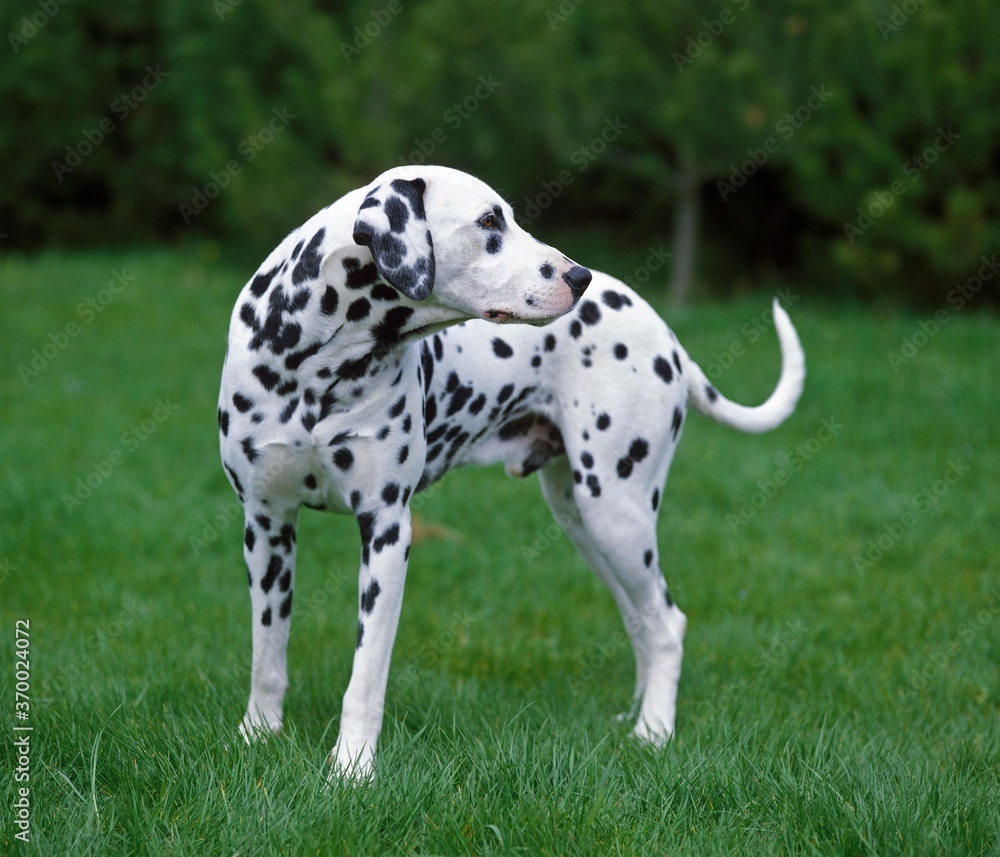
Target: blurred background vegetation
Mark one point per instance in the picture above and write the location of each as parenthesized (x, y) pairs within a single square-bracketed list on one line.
[(847, 147)]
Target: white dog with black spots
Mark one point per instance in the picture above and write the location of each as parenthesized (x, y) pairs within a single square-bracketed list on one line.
[(342, 390)]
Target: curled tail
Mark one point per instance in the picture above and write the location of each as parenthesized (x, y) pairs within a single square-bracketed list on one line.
[(779, 405)]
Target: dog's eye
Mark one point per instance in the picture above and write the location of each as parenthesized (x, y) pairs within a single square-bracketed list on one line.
[(488, 221)]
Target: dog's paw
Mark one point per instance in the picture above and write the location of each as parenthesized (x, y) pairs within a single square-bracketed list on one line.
[(655, 735), (256, 726), (351, 763)]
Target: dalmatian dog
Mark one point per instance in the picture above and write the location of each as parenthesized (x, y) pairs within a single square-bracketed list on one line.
[(595, 402), (323, 400)]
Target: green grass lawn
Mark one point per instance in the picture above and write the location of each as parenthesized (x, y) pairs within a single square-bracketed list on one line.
[(840, 685)]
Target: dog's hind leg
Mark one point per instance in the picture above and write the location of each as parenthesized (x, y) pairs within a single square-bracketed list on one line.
[(269, 550), (614, 528)]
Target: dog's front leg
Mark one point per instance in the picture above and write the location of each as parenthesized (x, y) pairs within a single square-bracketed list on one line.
[(385, 548)]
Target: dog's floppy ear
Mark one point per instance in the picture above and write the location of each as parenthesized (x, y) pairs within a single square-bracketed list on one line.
[(392, 224)]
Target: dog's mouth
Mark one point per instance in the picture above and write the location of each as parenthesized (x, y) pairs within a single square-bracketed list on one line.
[(502, 316)]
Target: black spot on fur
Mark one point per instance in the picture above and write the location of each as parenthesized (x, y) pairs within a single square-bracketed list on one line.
[(550, 342), (224, 422), (249, 450), (351, 370), (611, 299), (369, 595), (366, 524), (711, 392), (656, 498), (249, 538), (603, 422), (458, 400), (547, 271), (494, 244), (330, 301), (575, 329), (359, 309), (663, 368), (261, 282), (502, 349), (265, 618), (478, 404), (590, 313), (310, 482), (675, 423), (389, 537), (397, 212), (286, 607), (273, 570), (413, 191), (677, 363), (638, 450), (236, 481), (359, 276), (389, 331), (594, 484), (242, 403), (289, 410), (343, 458), (294, 360), (267, 376), (390, 494), (621, 351), (647, 558)]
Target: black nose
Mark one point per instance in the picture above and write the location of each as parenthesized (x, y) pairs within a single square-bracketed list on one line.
[(577, 278)]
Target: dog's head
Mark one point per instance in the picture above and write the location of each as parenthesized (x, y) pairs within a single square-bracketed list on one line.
[(438, 231)]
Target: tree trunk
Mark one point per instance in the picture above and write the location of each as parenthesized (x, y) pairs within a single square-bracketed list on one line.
[(686, 217)]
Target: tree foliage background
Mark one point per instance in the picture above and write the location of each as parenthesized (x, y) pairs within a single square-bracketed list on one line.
[(848, 146)]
